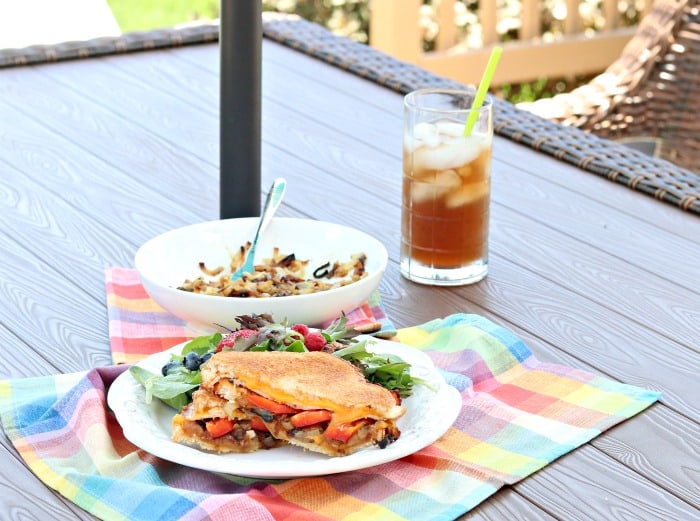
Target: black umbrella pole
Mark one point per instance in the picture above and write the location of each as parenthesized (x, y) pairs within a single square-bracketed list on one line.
[(240, 43)]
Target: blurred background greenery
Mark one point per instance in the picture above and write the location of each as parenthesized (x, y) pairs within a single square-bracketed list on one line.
[(144, 15), (346, 17), (351, 18)]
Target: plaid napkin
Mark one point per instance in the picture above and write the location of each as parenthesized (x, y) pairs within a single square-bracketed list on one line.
[(138, 327), (518, 415)]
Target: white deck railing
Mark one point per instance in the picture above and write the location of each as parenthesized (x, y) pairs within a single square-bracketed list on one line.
[(568, 48)]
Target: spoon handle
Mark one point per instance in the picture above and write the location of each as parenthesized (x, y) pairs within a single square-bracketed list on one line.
[(272, 202)]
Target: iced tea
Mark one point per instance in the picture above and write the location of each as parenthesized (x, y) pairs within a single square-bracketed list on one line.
[(446, 192)]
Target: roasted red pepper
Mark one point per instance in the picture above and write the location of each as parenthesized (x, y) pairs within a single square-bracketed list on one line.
[(270, 405), (217, 427), (306, 418)]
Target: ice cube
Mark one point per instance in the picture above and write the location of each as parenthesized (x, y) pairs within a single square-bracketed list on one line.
[(466, 170), (421, 192), (449, 128), (419, 168), (447, 179), (451, 155), (467, 194), (427, 134)]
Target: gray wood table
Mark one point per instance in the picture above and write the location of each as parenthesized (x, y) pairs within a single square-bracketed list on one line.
[(99, 155)]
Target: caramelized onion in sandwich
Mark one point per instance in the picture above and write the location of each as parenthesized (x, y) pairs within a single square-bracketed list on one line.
[(313, 400), (210, 422)]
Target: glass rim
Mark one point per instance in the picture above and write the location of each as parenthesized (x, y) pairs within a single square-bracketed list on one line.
[(410, 99)]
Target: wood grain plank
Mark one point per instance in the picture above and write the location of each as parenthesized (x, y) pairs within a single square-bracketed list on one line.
[(126, 187), (638, 243), (47, 222), (661, 445), (603, 278), (65, 322), (23, 360), (102, 118), (78, 185), (141, 154), (506, 504), (579, 488), (663, 217)]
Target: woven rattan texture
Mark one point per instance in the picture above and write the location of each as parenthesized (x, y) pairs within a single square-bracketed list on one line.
[(652, 90), (658, 178), (130, 42)]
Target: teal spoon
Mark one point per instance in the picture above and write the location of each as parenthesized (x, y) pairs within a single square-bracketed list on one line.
[(274, 198)]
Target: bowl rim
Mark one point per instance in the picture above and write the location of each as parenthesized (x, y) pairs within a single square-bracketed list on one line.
[(147, 279)]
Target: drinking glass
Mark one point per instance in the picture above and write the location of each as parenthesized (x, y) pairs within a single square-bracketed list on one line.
[(446, 187)]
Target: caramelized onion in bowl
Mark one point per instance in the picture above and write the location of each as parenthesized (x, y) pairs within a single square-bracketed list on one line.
[(281, 275)]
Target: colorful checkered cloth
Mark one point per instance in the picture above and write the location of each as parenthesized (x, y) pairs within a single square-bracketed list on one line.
[(518, 415), (138, 327)]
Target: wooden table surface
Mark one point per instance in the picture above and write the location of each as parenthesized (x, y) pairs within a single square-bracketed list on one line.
[(99, 155)]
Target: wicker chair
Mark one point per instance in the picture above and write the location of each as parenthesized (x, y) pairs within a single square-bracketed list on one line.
[(650, 96)]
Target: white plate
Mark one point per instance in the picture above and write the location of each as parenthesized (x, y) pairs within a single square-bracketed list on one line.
[(429, 413)]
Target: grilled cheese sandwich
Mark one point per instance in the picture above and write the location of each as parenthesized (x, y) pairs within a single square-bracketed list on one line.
[(313, 400)]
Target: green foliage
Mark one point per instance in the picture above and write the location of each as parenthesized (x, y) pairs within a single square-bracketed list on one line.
[(344, 17), (347, 17), (541, 88), (144, 15)]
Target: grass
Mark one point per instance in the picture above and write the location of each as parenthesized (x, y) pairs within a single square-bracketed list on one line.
[(144, 15)]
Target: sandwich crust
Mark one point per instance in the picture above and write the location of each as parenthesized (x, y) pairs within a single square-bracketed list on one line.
[(314, 380)]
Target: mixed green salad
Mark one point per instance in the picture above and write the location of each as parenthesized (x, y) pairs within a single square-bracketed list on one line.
[(181, 375)]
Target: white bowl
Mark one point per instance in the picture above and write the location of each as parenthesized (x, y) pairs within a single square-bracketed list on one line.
[(167, 260)]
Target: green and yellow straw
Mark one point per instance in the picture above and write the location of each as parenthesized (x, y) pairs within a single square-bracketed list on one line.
[(483, 89)]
